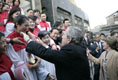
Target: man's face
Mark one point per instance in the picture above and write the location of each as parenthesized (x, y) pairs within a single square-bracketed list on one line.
[(43, 17), (67, 23), (65, 39), (60, 27), (2, 45), (30, 13), (97, 38), (102, 37), (37, 14)]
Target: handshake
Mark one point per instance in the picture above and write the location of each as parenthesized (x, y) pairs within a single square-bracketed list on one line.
[(28, 37)]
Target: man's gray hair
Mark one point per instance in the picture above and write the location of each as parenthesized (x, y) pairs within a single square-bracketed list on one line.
[(76, 34)]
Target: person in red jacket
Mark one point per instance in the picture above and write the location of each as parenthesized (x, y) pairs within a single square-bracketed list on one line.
[(66, 23), (44, 25), (16, 3)]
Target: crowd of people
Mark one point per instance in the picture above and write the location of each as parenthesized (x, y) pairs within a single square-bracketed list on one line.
[(32, 49)]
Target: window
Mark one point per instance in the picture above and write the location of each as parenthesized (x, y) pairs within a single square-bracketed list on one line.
[(25, 4), (62, 14)]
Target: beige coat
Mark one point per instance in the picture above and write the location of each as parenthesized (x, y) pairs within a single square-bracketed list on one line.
[(111, 64)]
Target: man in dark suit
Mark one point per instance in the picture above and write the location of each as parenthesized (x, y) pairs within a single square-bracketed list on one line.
[(96, 50), (71, 61)]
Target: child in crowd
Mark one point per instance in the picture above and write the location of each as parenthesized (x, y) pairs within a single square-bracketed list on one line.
[(46, 69)]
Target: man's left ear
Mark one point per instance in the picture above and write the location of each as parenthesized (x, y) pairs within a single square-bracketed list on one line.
[(69, 40)]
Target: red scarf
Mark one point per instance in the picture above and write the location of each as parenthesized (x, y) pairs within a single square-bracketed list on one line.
[(17, 47), (44, 24), (65, 28), (5, 65), (35, 31)]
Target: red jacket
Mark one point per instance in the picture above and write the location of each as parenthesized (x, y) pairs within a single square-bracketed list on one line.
[(5, 65), (17, 47)]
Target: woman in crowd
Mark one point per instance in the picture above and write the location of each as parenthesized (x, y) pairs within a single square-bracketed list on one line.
[(54, 33), (32, 25), (36, 13), (58, 24), (4, 14), (15, 12), (16, 3), (17, 52), (108, 60)]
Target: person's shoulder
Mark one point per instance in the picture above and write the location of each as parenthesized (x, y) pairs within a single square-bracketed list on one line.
[(67, 46), (73, 50), (11, 35), (72, 47), (115, 52), (9, 23)]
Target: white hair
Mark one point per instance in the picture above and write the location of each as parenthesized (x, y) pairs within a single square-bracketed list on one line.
[(76, 34)]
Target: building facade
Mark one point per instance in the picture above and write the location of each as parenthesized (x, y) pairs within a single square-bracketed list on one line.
[(112, 19), (59, 10), (112, 23)]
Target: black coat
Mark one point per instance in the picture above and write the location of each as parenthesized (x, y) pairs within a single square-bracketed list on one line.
[(71, 61)]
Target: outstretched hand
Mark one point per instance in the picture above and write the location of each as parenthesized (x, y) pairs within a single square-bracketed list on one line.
[(18, 41), (25, 36), (38, 40)]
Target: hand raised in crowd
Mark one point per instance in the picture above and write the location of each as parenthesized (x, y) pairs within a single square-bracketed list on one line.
[(41, 42), (25, 36), (38, 40), (51, 76), (37, 62), (32, 36), (98, 48)]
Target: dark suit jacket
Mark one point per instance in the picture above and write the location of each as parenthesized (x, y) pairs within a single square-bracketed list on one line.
[(94, 52), (71, 61), (85, 43)]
